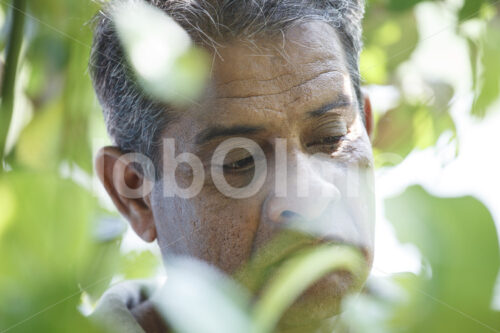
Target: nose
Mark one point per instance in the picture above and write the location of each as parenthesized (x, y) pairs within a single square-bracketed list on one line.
[(308, 194)]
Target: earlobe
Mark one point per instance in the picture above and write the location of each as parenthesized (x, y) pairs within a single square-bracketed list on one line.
[(121, 179), (368, 114)]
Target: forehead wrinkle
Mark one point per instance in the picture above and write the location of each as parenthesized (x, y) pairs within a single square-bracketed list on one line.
[(269, 119), (296, 101), (287, 69), (257, 86), (279, 83), (226, 85), (291, 91), (246, 73)]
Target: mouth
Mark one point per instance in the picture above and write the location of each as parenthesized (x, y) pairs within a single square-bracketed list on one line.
[(299, 277), (285, 246)]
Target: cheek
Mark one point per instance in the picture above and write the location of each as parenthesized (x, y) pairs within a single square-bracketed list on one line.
[(173, 217), (220, 230)]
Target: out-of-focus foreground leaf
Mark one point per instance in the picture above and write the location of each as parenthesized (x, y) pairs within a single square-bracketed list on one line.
[(461, 260), (198, 298), (488, 83), (48, 253), (458, 239), (167, 64), (196, 290), (297, 274), (471, 9), (137, 265)]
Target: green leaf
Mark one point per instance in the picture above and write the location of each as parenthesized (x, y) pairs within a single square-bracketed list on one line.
[(457, 236), (299, 273), (394, 132), (400, 5), (167, 64), (198, 298), (488, 83), (137, 265), (39, 146), (389, 40), (255, 274), (470, 9), (48, 254), (408, 127)]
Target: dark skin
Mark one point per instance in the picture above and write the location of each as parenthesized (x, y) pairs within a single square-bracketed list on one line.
[(305, 97)]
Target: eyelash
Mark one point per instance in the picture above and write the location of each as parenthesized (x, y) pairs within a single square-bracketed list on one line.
[(243, 164), (329, 140), (239, 165)]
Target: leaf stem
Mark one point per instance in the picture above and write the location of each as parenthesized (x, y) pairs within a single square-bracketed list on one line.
[(12, 50)]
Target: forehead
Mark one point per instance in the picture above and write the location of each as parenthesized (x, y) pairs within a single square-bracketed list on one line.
[(308, 47), (276, 78)]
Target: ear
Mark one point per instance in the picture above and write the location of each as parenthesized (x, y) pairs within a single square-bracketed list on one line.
[(127, 187), (368, 114)]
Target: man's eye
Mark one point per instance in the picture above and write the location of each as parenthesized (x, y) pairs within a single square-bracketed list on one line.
[(327, 141), (240, 165), (331, 140)]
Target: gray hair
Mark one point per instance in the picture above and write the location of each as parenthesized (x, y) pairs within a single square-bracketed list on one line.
[(135, 121)]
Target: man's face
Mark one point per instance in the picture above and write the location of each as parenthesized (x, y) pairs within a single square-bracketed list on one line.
[(295, 99), (303, 95)]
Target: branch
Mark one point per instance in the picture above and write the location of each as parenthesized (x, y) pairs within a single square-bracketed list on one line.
[(12, 50)]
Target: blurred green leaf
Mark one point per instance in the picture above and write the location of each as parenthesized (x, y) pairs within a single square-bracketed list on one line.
[(409, 127), (390, 39), (458, 238), (198, 298), (488, 84), (256, 273), (48, 57), (43, 275), (374, 309), (394, 132), (39, 146), (399, 5), (473, 8), (167, 64), (470, 9), (297, 274), (137, 265)]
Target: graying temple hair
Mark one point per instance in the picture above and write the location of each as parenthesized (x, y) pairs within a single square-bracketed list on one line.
[(135, 122)]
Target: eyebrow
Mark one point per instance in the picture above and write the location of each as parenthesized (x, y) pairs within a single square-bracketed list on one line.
[(220, 131), (342, 102)]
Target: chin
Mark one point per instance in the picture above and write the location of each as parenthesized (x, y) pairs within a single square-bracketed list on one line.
[(319, 302)]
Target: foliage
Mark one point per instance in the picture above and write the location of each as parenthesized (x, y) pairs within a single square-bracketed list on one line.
[(161, 53), (48, 255), (57, 241), (197, 284), (440, 228), (457, 238)]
